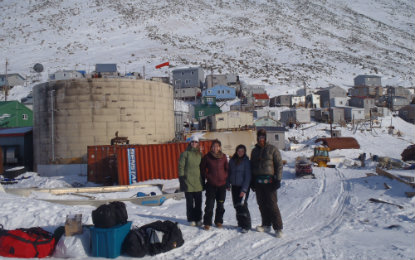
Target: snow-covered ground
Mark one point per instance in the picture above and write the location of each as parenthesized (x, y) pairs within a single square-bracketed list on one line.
[(329, 217)]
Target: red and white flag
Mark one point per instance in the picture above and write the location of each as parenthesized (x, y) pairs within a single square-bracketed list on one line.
[(162, 65)]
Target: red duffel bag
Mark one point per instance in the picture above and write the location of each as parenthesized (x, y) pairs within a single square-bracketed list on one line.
[(26, 243)]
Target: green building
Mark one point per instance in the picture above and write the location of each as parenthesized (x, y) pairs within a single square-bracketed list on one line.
[(15, 114), (207, 108)]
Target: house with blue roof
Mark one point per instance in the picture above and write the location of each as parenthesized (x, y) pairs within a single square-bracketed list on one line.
[(220, 92)]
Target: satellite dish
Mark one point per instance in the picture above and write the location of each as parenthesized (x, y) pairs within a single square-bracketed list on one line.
[(38, 67)]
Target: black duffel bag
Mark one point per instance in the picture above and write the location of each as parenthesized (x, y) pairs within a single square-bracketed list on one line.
[(110, 215), (136, 243), (154, 238)]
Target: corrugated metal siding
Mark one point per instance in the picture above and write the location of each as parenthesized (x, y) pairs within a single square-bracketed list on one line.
[(102, 164), (109, 164), (155, 161)]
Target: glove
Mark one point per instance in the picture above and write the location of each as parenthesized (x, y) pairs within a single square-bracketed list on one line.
[(183, 186), (277, 185)]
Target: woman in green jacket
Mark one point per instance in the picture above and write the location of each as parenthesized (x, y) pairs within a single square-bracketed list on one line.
[(191, 181)]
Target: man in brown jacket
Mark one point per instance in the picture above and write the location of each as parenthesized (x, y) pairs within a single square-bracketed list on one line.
[(214, 168), (266, 178)]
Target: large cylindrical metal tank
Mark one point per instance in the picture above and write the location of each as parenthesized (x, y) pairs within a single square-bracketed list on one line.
[(69, 115)]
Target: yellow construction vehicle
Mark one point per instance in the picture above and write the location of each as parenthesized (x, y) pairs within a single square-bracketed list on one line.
[(321, 156)]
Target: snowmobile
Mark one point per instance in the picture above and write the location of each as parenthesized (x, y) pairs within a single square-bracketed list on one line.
[(303, 168)]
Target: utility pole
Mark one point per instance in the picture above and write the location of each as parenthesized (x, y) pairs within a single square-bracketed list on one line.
[(6, 83), (330, 120)]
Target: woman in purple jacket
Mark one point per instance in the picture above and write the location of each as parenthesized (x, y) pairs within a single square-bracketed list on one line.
[(239, 180), (214, 169)]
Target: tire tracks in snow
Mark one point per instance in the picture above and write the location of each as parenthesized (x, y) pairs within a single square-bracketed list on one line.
[(325, 208)]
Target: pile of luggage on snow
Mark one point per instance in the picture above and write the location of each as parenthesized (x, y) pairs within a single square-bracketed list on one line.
[(110, 236)]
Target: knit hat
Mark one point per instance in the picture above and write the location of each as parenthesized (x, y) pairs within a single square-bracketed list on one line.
[(194, 139), (261, 132)]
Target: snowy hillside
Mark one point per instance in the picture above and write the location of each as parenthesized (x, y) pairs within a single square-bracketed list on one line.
[(329, 217), (276, 43)]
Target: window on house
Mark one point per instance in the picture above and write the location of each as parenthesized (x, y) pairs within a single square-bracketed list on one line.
[(187, 81), (182, 73), (228, 91), (183, 91), (25, 117), (272, 113), (201, 113), (193, 72), (277, 137), (221, 119), (177, 82), (209, 91)]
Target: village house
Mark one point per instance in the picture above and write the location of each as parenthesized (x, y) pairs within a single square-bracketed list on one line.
[(366, 91), (298, 101), (329, 93), (281, 101), (336, 115), (239, 106), (261, 100), (106, 70), (312, 100), (293, 116), (13, 79), (407, 113), (354, 114), (15, 114), (367, 81), (182, 121), (397, 102), (266, 121), (398, 92), (221, 92), (206, 108), (363, 102), (327, 115), (266, 112), (187, 94), (339, 101), (230, 120), (66, 74), (248, 90), (17, 147), (275, 136), (221, 79), (188, 78)]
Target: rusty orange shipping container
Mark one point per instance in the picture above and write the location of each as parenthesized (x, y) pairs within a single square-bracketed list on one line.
[(102, 164), (138, 163)]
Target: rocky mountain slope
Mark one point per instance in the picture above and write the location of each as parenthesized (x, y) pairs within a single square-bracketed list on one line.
[(276, 43)]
